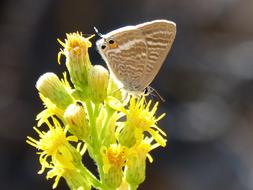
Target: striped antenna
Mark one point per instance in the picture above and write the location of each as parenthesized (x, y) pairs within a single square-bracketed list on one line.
[(98, 33)]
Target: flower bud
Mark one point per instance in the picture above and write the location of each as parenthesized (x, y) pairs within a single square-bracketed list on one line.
[(52, 88), (127, 136), (113, 178), (114, 160), (76, 118), (77, 58), (136, 164), (98, 78)]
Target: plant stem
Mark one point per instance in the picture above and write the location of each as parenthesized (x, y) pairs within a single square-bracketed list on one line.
[(95, 182), (96, 144)]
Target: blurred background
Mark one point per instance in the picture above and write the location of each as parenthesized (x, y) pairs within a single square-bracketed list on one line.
[(207, 81)]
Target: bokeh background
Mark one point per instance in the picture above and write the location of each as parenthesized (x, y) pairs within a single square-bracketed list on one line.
[(207, 81)]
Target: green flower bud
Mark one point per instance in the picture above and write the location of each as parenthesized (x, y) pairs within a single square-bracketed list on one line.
[(136, 173), (52, 88), (98, 78), (77, 58), (127, 136), (136, 163), (113, 178), (77, 181), (76, 118)]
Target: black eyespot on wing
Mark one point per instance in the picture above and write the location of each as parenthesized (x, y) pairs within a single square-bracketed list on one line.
[(103, 46), (111, 41)]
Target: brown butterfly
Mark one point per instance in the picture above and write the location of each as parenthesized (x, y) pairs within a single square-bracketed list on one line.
[(135, 54)]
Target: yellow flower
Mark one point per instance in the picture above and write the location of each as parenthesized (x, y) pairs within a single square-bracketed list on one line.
[(139, 118), (54, 144), (75, 45), (114, 159), (115, 156), (57, 172), (50, 110), (73, 177), (77, 58), (59, 156)]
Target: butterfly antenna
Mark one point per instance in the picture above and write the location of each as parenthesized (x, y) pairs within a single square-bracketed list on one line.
[(150, 90), (98, 33)]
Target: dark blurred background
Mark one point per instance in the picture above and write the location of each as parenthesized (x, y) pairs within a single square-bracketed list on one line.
[(207, 82)]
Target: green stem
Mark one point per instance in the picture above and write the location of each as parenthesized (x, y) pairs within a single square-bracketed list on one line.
[(95, 141), (105, 125), (96, 110), (92, 118), (95, 182), (99, 163)]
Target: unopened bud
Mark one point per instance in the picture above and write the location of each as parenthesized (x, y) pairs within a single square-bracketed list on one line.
[(76, 118), (136, 164), (113, 178), (98, 78), (51, 87), (127, 136)]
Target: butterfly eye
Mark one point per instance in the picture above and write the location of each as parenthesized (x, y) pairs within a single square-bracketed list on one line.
[(103, 46), (111, 41)]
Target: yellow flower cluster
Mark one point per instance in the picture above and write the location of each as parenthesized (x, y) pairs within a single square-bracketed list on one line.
[(91, 114)]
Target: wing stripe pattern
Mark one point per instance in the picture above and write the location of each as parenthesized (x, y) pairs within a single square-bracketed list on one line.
[(159, 36)]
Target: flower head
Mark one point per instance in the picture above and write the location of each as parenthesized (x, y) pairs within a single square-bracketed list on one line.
[(139, 118), (72, 175), (75, 45), (77, 58), (53, 144), (114, 159), (114, 156)]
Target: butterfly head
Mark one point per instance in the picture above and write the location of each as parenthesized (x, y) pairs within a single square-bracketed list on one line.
[(115, 40), (105, 44)]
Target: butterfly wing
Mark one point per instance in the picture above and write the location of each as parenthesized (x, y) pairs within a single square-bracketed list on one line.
[(159, 36), (127, 58)]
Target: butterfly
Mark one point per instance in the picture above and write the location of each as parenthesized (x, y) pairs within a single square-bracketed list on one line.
[(135, 54)]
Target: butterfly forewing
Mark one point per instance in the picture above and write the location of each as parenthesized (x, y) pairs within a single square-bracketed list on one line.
[(127, 60)]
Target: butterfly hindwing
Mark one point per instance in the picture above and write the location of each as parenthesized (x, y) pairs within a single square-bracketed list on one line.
[(159, 36)]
